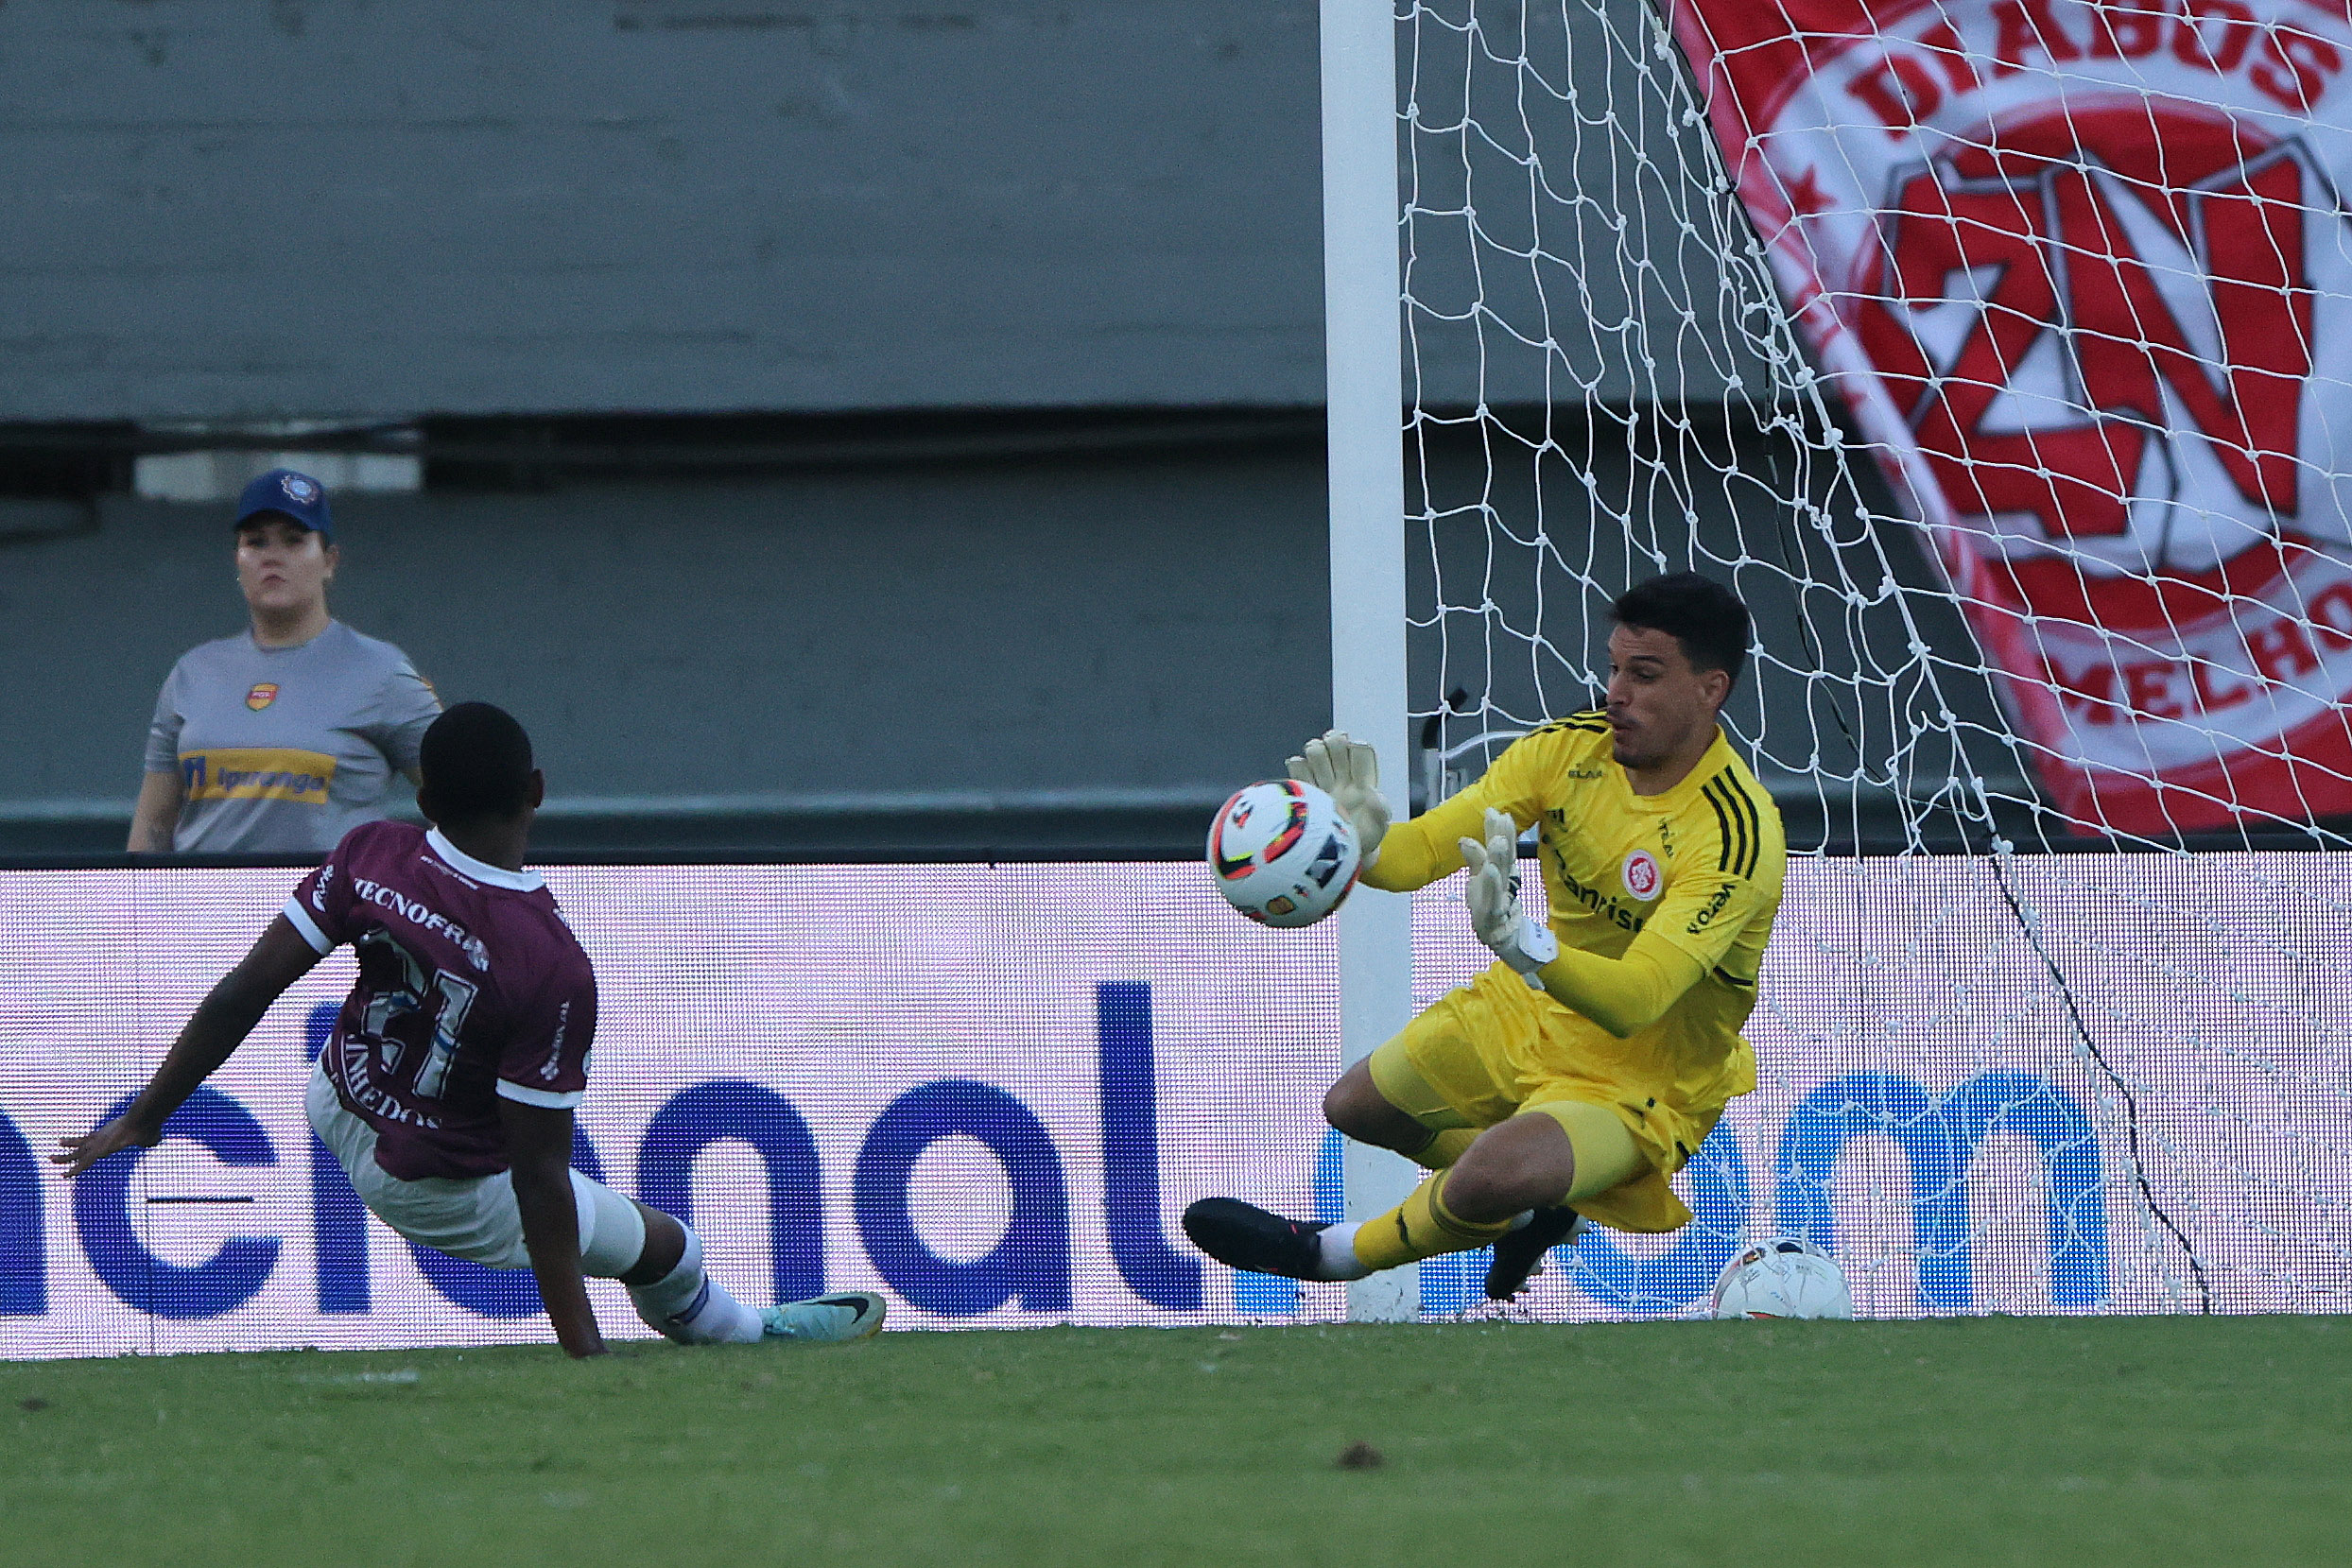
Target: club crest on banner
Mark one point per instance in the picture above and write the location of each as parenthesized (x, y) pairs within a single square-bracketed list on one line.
[(2079, 271)]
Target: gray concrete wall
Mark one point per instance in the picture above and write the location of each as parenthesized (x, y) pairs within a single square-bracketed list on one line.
[(352, 208), (324, 207)]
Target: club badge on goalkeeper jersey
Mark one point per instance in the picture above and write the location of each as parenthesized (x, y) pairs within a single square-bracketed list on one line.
[(1701, 865)]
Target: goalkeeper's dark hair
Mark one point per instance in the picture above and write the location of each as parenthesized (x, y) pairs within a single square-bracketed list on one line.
[(1704, 617), (476, 763)]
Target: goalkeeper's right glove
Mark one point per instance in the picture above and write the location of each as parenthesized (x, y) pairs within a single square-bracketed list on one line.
[(1349, 772), (1493, 894)]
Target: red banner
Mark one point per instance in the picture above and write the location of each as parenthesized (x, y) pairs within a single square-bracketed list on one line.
[(2082, 273)]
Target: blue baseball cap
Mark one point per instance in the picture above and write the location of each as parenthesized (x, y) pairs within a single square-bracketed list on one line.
[(289, 494)]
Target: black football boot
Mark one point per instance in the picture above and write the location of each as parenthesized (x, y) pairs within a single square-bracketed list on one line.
[(1243, 1235), (1519, 1255)]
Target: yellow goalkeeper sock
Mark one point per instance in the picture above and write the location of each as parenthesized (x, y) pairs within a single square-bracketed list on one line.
[(1446, 1147), (1420, 1228)]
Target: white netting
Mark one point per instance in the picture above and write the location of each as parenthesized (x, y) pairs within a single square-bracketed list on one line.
[(2051, 547)]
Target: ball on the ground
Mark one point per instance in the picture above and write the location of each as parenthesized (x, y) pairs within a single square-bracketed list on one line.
[(1283, 854), (1783, 1278)]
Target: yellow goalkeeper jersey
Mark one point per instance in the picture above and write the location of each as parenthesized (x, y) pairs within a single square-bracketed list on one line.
[(1697, 869)]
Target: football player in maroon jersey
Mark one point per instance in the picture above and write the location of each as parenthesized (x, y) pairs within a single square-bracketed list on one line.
[(448, 1085)]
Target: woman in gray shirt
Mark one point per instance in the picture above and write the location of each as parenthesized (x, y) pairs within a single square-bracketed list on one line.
[(278, 740)]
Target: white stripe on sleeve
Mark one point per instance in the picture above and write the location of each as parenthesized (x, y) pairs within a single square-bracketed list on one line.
[(298, 917), (545, 1098)]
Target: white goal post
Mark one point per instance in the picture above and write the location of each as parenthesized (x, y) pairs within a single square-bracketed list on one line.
[(1364, 378)]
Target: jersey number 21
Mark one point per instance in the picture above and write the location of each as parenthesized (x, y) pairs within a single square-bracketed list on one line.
[(412, 1004)]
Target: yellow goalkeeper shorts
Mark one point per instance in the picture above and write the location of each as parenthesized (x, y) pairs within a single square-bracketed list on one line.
[(1497, 1048)]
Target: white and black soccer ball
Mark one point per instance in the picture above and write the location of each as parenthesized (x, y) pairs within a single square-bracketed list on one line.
[(1783, 1278), (1283, 854)]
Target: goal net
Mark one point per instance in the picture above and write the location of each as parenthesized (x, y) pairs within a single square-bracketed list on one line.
[(1987, 346)]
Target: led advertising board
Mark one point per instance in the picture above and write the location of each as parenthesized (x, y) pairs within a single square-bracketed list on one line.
[(988, 1092)]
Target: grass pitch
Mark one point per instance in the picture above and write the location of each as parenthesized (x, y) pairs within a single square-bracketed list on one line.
[(1987, 1441)]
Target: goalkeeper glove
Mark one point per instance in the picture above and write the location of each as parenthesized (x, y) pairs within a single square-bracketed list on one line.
[(1349, 772), (1493, 898)]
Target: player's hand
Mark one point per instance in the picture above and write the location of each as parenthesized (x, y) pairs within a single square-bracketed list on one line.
[(1349, 772), (1493, 899), (79, 1154)]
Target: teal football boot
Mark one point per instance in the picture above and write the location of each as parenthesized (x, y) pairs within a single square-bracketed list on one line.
[(833, 1319)]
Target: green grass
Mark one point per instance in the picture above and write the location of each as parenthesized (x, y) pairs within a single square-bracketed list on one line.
[(2001, 1440)]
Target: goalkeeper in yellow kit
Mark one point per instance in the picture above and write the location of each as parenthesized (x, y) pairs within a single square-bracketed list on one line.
[(1574, 1076)]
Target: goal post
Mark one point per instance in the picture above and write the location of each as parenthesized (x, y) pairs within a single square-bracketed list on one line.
[(1364, 380)]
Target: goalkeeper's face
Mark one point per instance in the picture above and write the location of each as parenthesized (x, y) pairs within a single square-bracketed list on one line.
[(1660, 707)]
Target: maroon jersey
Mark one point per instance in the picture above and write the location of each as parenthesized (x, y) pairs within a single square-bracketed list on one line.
[(471, 989)]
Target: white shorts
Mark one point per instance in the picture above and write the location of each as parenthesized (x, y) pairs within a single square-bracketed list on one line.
[(473, 1217)]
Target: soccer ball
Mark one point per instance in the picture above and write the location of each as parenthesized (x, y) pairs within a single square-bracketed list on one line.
[(1282, 852), (1783, 1278)]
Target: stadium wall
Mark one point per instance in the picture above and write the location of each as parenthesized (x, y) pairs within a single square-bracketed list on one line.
[(989, 1090), (332, 208), (429, 226), (756, 658), (1049, 653)]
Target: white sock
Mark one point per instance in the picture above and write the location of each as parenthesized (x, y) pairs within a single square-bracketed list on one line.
[(1338, 1256), (1337, 1250), (690, 1307)]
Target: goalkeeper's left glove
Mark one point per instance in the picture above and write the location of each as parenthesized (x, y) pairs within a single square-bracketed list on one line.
[(1493, 898)]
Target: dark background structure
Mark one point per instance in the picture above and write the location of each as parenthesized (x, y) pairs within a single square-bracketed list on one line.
[(850, 428)]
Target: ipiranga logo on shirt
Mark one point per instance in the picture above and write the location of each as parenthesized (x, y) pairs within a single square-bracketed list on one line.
[(256, 773)]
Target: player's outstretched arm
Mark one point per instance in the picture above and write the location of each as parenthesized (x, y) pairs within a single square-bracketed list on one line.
[(1624, 995), (1398, 857), (538, 1150), (1426, 849), (219, 1026)]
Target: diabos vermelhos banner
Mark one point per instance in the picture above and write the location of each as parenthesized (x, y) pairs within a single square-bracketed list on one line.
[(2077, 270), (989, 1090)]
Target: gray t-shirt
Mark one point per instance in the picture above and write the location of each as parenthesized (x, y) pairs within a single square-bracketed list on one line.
[(284, 751)]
